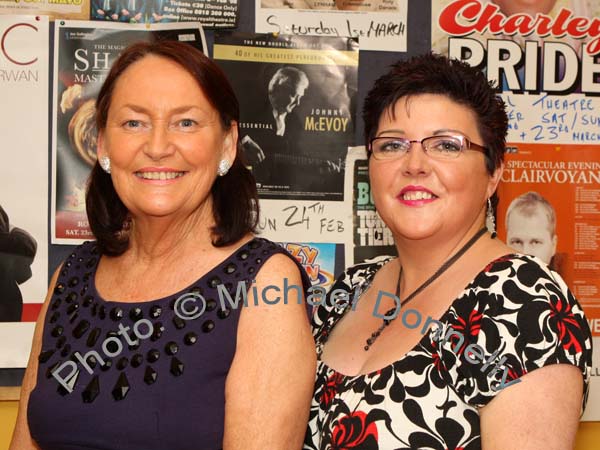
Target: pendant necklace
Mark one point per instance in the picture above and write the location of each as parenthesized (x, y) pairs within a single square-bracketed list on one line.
[(431, 279)]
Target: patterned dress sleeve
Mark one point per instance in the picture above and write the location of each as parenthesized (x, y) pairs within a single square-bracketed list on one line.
[(515, 317)]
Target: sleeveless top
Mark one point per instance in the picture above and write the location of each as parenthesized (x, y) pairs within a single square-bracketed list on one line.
[(517, 313), (146, 378)]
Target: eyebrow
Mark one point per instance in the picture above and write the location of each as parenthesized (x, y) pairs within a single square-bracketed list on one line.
[(180, 109), (441, 131)]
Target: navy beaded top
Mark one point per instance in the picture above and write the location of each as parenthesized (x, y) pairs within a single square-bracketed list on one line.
[(137, 376)]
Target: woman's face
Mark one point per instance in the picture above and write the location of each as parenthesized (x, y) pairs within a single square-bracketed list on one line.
[(419, 197), (164, 140)]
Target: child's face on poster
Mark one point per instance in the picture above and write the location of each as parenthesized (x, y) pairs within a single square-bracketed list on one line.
[(532, 7)]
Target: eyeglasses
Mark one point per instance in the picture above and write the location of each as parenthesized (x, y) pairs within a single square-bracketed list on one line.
[(438, 147)]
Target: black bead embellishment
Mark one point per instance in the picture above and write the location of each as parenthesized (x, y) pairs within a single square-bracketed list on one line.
[(251, 270), (61, 341), (152, 355), (178, 322), (155, 312), (121, 388), (254, 245), (214, 282), (243, 255), (45, 356), (93, 337), (87, 301), (81, 328), (74, 281), (190, 338), (136, 314), (102, 312), (223, 313), (51, 369), (72, 308), (71, 297), (116, 313), (73, 317), (91, 391), (107, 365), (150, 375), (158, 331), (57, 331), (137, 360), (122, 363), (94, 309), (54, 317), (59, 288), (211, 304), (176, 367), (230, 268), (65, 350), (208, 326), (135, 345), (171, 348), (56, 303)]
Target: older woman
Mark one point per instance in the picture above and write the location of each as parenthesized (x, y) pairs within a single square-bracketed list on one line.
[(503, 359), (142, 342)]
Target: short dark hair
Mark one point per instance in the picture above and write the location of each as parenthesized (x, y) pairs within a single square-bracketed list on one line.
[(436, 74), (234, 196)]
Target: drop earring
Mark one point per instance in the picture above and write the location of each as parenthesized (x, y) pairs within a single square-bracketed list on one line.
[(105, 163), (223, 167), (490, 220)]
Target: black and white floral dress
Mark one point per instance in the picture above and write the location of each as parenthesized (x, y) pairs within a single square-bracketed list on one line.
[(519, 311)]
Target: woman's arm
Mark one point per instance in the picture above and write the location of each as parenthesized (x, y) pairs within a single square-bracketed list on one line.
[(270, 383), (21, 439), (540, 413)]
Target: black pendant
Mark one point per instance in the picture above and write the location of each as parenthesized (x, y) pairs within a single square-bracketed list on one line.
[(91, 391), (150, 375), (176, 367)]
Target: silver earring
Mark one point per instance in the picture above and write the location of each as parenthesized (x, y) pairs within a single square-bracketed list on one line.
[(105, 163), (490, 220), (223, 167)]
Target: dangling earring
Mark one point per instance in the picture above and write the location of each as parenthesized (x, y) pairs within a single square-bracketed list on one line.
[(105, 163), (490, 221), (223, 167)]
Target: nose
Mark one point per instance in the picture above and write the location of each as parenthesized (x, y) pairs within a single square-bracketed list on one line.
[(416, 161), (159, 143)]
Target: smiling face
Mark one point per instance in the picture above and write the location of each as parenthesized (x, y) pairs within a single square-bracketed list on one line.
[(164, 140), (419, 197), (530, 234)]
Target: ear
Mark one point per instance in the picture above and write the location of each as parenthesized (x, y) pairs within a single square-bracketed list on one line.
[(554, 243), (230, 140), (495, 180)]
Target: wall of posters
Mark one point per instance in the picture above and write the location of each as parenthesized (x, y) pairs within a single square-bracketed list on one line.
[(320, 260), (55, 9), (24, 182), (210, 13), (83, 54), (378, 24)]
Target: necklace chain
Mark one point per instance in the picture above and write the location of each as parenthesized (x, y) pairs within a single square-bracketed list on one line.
[(431, 279)]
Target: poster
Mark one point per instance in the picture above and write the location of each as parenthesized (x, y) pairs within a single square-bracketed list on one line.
[(83, 54), (544, 58), (371, 237), (378, 24), (297, 100), (56, 9), (24, 174), (210, 13), (321, 261)]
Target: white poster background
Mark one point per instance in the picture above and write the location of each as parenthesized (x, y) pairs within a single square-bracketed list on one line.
[(24, 173), (382, 28)]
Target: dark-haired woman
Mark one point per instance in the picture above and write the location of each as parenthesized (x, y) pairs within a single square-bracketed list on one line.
[(458, 342), (145, 341)]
